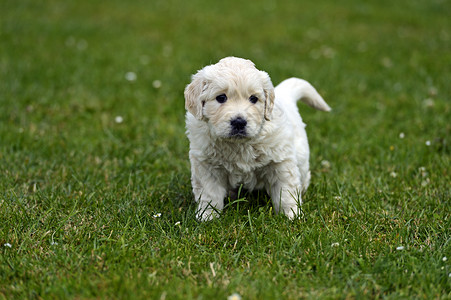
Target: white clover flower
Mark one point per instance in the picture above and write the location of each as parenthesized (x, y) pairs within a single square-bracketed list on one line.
[(325, 164), (234, 296), (393, 174), (428, 143), (444, 258), (335, 244), (157, 215), (131, 76), (402, 135), (425, 182), (400, 248), (119, 119), (433, 91), (156, 84), (428, 102)]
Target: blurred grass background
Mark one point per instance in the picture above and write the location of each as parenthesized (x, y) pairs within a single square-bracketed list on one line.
[(92, 147)]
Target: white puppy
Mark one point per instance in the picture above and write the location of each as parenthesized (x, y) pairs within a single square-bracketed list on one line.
[(243, 131)]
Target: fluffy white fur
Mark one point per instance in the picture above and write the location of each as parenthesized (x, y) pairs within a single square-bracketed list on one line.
[(268, 150)]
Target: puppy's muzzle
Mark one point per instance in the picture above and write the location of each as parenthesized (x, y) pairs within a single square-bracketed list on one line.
[(238, 127)]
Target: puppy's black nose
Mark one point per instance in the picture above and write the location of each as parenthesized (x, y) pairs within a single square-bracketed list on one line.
[(238, 123), (238, 127)]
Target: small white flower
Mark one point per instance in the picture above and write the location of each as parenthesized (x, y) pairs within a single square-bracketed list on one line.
[(400, 248), (156, 84), (402, 135), (325, 164), (53, 243), (119, 119), (335, 245), (433, 91), (234, 296), (157, 215), (425, 182), (428, 143), (428, 102), (337, 197), (130, 76), (177, 223), (393, 174), (444, 258), (449, 275), (7, 245)]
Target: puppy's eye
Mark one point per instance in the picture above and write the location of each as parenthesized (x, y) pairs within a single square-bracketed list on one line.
[(253, 99), (221, 98)]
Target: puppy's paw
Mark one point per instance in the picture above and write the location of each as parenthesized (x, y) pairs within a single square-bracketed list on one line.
[(205, 215), (292, 213)]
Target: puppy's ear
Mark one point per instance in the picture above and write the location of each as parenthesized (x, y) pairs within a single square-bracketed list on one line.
[(269, 103), (193, 103), (269, 95)]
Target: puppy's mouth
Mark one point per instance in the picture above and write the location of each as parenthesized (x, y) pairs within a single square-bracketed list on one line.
[(238, 134)]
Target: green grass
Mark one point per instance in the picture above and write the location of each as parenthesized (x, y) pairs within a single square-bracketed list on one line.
[(80, 193)]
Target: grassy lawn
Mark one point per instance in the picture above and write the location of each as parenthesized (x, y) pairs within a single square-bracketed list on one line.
[(95, 196)]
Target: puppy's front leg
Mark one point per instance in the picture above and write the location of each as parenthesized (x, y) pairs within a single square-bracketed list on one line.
[(208, 188), (284, 186)]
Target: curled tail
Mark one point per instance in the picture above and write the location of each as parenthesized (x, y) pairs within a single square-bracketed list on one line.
[(294, 89)]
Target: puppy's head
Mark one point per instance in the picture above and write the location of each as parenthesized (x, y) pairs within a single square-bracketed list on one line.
[(233, 96)]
